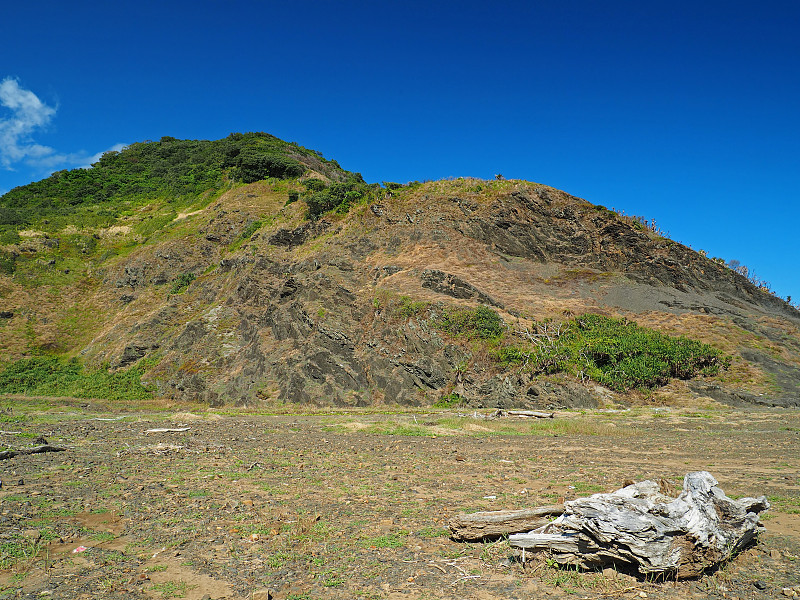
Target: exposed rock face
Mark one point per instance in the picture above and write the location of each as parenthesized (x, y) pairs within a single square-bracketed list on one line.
[(450, 285), (302, 311)]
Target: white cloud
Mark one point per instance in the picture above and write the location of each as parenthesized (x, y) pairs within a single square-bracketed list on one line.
[(28, 114)]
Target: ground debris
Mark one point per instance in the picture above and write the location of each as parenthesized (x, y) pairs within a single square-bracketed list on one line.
[(639, 527), (5, 454)]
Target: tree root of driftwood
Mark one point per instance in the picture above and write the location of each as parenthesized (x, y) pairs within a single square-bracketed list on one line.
[(5, 454), (657, 536)]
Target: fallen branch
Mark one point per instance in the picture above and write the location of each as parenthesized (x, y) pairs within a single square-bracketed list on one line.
[(465, 578), (37, 450), (168, 430), (497, 523), (162, 448)]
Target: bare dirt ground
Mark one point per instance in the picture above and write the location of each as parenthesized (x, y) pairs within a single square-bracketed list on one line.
[(355, 505)]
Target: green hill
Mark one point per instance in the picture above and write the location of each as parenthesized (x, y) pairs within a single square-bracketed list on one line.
[(252, 270)]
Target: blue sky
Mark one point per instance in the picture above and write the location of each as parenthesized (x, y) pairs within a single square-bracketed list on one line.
[(683, 112)]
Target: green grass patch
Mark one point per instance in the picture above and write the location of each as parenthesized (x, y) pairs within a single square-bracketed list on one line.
[(389, 540), (433, 532), (172, 589), (18, 550), (50, 376)]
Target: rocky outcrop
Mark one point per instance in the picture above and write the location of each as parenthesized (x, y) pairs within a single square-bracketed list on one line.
[(293, 313), (453, 286)]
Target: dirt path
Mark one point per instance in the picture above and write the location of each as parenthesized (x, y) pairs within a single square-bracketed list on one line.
[(355, 506)]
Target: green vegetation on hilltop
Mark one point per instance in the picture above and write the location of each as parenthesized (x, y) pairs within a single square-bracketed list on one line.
[(321, 198), (178, 171)]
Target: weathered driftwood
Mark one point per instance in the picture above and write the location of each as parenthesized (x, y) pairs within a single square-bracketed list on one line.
[(496, 523), (501, 413), (537, 414), (37, 450), (168, 430), (638, 526)]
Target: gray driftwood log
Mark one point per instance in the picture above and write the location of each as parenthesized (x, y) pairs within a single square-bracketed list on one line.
[(497, 523), (658, 536), (5, 454)]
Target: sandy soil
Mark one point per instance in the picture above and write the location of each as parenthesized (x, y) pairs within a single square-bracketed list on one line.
[(356, 505)]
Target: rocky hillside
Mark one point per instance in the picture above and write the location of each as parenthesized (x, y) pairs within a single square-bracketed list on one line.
[(265, 274)]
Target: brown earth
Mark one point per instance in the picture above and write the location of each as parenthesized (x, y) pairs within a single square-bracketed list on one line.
[(355, 504)]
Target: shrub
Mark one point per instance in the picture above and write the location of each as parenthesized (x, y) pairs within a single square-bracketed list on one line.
[(409, 308), (8, 263), (181, 282), (481, 322), (614, 352), (452, 400), (9, 236), (254, 165), (250, 230), (339, 195), (314, 185)]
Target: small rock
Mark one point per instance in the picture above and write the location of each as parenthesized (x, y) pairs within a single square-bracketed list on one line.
[(775, 554), (642, 595), (21, 482), (789, 592), (263, 595), (760, 585)]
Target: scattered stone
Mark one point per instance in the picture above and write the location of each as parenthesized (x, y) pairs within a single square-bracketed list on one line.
[(775, 554), (760, 585), (263, 595)]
